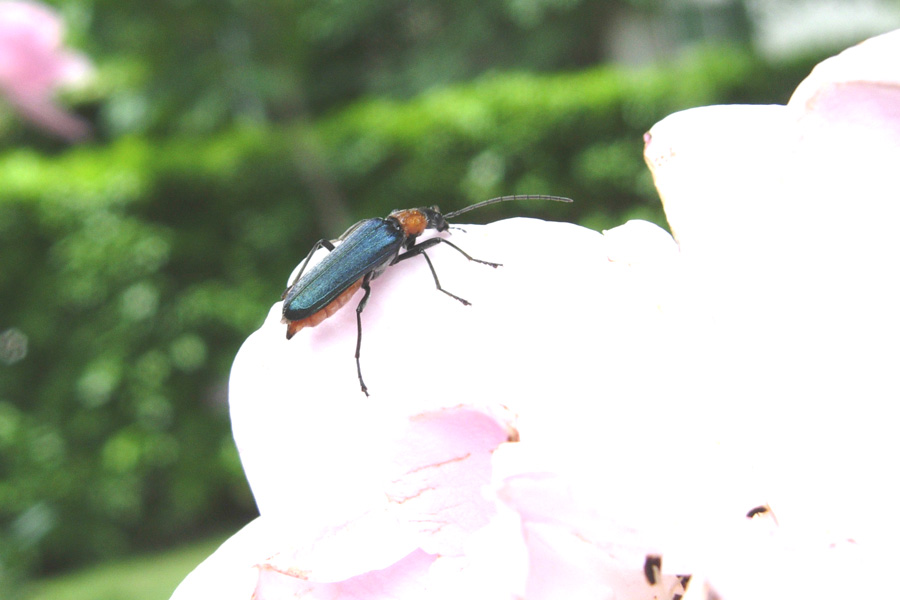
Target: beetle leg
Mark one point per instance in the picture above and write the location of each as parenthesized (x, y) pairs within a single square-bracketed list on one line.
[(320, 244), (359, 308), (460, 250), (438, 283), (420, 248)]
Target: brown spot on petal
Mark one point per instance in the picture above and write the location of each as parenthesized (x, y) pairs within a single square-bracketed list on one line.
[(652, 568), (763, 510)]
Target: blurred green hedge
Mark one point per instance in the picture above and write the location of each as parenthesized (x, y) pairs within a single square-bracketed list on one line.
[(134, 270)]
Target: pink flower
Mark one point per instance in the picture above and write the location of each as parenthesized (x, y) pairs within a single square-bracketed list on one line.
[(33, 64), (615, 415)]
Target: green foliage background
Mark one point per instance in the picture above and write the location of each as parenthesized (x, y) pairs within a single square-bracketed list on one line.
[(229, 137)]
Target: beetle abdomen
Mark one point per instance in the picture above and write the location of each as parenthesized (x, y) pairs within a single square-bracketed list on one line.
[(368, 248), (316, 318)]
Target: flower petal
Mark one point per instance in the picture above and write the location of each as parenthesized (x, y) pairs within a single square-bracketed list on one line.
[(657, 395), (786, 219), (444, 462), (577, 552), (855, 93), (719, 172), (407, 578), (230, 572)]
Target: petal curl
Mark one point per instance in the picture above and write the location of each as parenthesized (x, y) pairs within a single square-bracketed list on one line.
[(855, 93)]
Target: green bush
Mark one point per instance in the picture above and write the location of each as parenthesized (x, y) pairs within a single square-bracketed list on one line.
[(134, 270)]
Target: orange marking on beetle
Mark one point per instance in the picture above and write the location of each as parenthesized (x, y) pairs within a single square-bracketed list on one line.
[(411, 220), (332, 307)]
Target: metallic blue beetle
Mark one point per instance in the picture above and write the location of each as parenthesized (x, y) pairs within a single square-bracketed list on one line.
[(364, 252)]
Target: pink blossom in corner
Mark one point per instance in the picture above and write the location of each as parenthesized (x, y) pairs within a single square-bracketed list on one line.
[(34, 64), (608, 400)]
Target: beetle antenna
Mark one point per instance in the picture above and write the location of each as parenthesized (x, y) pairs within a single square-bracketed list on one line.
[(510, 198)]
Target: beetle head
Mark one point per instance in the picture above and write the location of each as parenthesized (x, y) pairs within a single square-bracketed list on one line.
[(435, 218)]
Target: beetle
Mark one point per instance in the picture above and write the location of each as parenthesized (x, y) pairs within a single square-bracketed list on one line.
[(363, 253)]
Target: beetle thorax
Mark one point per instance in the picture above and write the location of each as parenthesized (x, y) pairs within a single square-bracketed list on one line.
[(412, 221)]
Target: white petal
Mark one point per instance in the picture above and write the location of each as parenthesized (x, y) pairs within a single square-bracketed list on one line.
[(786, 218), (230, 572)]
